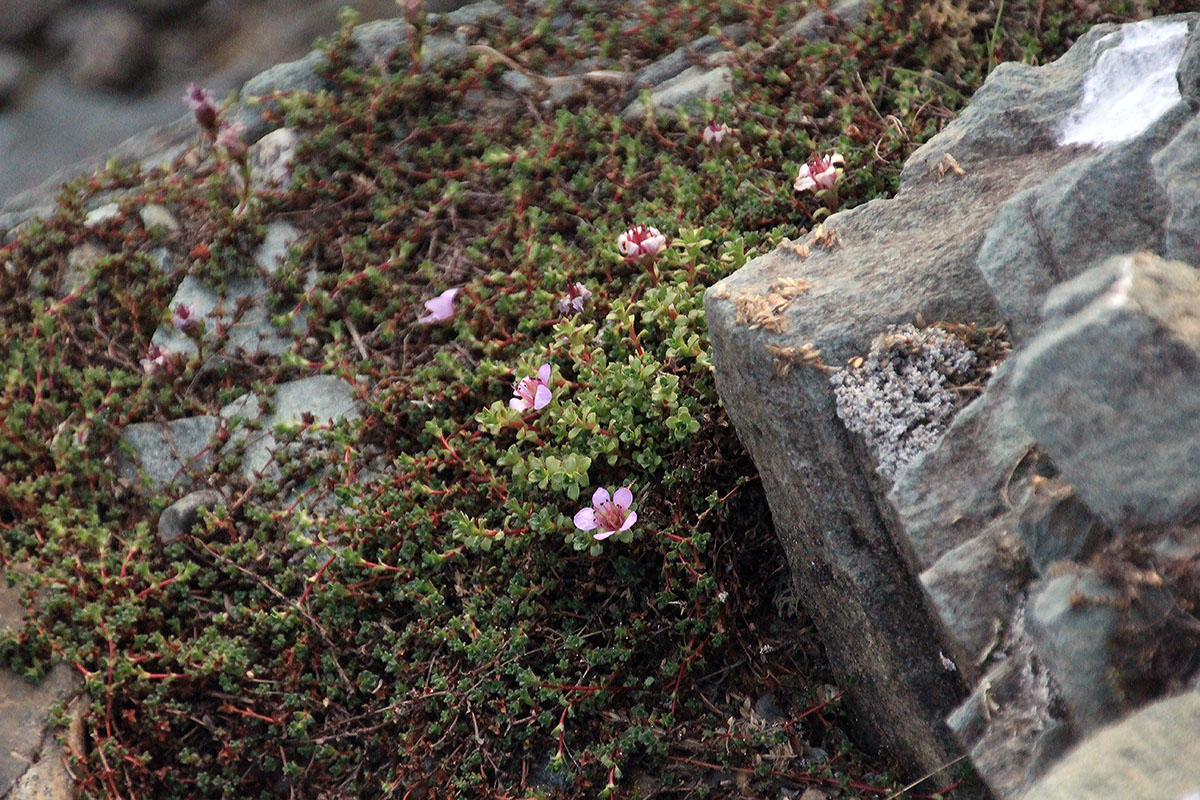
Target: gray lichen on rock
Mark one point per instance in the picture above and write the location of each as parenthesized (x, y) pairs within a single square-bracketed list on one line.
[(899, 398)]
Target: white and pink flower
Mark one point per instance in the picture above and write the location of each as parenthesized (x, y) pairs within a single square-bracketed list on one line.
[(573, 302), (441, 308), (715, 133), (641, 241), (203, 106), (532, 391), (607, 515), (232, 137), (820, 173), (184, 319), (157, 360)]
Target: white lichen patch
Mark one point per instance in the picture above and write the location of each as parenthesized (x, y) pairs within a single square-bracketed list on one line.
[(900, 398), (1130, 85)]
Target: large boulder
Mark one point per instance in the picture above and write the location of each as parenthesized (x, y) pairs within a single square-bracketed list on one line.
[(891, 261), (1111, 390), (1152, 755), (1003, 580)]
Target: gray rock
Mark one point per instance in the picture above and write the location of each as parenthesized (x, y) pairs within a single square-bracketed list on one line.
[(659, 72), (299, 75), (1177, 173), (272, 158), (166, 454), (156, 216), (975, 588), (689, 86), (22, 19), (13, 69), (102, 214), (442, 50), (897, 258), (972, 476), (820, 24), (251, 332), (1009, 725), (1096, 207), (178, 519), (475, 14), (1188, 74), (1019, 108), (378, 39), (108, 48), (1057, 526), (1112, 392), (25, 709), (81, 259), (325, 398), (1152, 755), (519, 83), (1072, 621)]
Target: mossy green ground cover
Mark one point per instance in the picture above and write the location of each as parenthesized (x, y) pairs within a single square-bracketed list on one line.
[(446, 630)]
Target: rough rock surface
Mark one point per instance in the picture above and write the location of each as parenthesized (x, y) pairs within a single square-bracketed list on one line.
[(178, 519), (24, 708), (898, 258), (1118, 377), (1048, 234), (1152, 755), (1001, 547), (161, 455), (238, 318), (322, 398)]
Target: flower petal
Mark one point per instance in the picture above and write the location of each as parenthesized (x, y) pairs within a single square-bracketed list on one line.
[(518, 403), (602, 535), (600, 497), (542, 397), (585, 519), (623, 497), (544, 373), (441, 308), (632, 518)]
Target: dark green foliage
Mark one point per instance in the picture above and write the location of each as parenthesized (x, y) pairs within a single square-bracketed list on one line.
[(445, 630)]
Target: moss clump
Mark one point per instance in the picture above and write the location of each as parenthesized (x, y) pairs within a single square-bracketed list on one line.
[(442, 629)]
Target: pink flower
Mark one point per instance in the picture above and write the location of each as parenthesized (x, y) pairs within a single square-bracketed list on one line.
[(715, 133), (641, 241), (232, 138), (202, 104), (184, 319), (532, 392), (607, 515), (820, 173), (157, 360), (574, 299), (441, 308)]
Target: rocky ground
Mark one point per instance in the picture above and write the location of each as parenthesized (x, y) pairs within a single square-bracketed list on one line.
[(306, 399), (78, 77)]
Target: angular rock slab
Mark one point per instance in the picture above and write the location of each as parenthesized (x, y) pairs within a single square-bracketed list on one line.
[(1099, 206), (1177, 173), (1111, 389), (1072, 620), (252, 332), (164, 454), (25, 710), (327, 398), (1152, 755), (950, 493), (898, 258), (1022, 109)]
